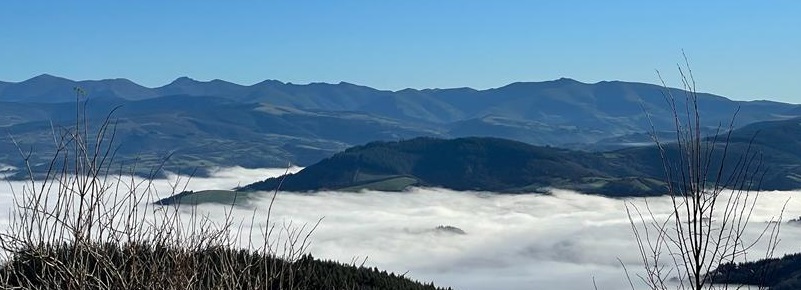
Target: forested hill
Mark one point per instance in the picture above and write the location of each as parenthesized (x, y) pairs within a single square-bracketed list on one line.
[(779, 273), (486, 164), (499, 165)]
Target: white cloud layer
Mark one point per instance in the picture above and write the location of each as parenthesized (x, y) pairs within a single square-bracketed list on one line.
[(559, 241)]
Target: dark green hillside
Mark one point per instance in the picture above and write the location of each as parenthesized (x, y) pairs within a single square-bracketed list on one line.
[(778, 273), (143, 266), (486, 164), (777, 144), (783, 135), (770, 150)]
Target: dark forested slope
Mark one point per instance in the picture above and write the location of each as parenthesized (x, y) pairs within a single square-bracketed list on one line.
[(769, 150), (486, 164), (778, 273)]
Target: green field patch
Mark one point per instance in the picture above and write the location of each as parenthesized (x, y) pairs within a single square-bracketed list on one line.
[(398, 183), (366, 177), (228, 197)]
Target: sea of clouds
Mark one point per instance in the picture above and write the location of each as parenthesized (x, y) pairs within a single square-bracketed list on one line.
[(565, 240)]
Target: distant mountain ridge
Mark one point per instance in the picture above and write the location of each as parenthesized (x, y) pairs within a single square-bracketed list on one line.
[(558, 105), (47, 88), (219, 123)]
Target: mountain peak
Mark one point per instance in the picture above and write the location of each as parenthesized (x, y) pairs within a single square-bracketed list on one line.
[(47, 77), (269, 83), (564, 80), (183, 80), (558, 82)]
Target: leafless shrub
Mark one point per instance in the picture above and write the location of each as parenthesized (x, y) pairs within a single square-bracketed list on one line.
[(713, 189)]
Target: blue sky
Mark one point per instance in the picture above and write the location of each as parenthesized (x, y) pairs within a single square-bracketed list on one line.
[(741, 49)]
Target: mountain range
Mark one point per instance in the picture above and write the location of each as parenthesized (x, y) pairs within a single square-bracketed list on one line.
[(204, 124)]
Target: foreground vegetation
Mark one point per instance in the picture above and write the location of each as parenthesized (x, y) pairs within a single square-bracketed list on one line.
[(777, 273), (713, 185), (87, 224), (148, 266)]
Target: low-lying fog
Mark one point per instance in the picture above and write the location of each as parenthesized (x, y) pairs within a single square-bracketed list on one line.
[(558, 241)]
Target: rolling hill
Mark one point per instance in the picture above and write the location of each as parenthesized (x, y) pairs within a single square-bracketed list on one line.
[(482, 164), (498, 165)]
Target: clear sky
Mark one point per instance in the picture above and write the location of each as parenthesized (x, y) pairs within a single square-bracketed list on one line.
[(741, 49)]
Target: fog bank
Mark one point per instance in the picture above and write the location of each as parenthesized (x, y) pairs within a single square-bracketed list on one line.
[(530, 241)]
